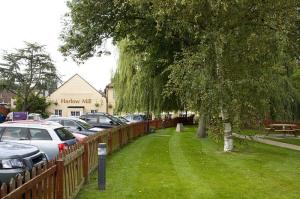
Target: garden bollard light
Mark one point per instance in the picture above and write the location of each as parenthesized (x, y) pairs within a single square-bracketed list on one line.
[(101, 166)]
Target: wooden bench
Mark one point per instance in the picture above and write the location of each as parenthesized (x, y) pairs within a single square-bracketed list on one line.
[(282, 128)]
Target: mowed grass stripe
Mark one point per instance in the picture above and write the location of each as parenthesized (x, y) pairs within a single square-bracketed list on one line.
[(157, 174), (187, 173)]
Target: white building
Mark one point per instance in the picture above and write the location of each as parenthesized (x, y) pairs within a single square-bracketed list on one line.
[(76, 97)]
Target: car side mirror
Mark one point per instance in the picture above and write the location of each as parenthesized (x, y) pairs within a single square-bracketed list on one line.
[(111, 122), (79, 128)]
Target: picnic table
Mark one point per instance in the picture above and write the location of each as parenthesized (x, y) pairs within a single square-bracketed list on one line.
[(282, 128)]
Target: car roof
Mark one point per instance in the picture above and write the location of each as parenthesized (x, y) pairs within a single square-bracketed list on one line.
[(34, 114), (32, 124), (98, 113), (65, 118), (57, 118)]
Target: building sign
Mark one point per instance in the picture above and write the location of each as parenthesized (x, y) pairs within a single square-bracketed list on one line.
[(20, 116), (76, 101)]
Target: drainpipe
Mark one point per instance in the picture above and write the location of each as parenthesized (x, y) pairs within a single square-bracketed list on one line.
[(106, 98)]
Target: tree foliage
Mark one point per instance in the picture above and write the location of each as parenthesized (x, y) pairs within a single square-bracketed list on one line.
[(214, 56), (139, 82), (28, 72), (37, 105)]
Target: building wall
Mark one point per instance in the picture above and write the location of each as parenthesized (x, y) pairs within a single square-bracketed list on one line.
[(6, 98), (76, 95), (111, 99)]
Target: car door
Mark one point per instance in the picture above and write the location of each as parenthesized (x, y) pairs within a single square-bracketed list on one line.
[(15, 134), (42, 139)]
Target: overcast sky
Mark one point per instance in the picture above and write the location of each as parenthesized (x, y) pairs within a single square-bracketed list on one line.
[(40, 21)]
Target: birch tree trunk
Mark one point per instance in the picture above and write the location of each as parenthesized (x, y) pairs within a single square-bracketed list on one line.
[(228, 139)]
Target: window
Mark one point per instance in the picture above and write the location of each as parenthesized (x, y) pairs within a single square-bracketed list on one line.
[(39, 134), (94, 111), (15, 133), (75, 113), (56, 120), (58, 112), (85, 125), (64, 134), (92, 118), (104, 120), (137, 117), (128, 117), (69, 123)]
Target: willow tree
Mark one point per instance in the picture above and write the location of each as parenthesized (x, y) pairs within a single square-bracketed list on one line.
[(139, 82)]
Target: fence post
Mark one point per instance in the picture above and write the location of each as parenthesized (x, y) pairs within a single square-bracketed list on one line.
[(130, 133), (120, 138), (110, 142), (60, 177), (86, 162)]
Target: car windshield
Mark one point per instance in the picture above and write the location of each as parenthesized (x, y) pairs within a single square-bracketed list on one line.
[(1, 128), (123, 119), (84, 125), (64, 134), (115, 119)]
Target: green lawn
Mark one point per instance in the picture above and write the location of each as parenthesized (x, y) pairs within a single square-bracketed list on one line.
[(295, 141), (178, 165)]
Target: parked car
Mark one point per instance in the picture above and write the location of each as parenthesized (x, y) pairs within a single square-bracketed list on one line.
[(49, 137), (34, 116), (123, 119), (15, 158), (136, 117), (51, 116), (118, 119), (79, 137), (102, 120), (76, 125)]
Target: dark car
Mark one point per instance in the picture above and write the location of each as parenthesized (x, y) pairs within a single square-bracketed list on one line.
[(76, 125), (15, 158), (136, 118), (102, 120), (123, 119)]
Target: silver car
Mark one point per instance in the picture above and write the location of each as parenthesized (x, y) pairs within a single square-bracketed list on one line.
[(76, 125), (49, 137)]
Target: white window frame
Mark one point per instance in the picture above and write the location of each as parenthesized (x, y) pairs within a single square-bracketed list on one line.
[(75, 113), (58, 112)]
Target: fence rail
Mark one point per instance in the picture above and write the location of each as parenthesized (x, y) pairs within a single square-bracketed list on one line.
[(63, 178)]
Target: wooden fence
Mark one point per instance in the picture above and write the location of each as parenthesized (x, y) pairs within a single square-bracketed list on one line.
[(63, 178)]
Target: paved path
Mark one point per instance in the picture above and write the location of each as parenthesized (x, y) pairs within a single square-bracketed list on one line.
[(267, 141)]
